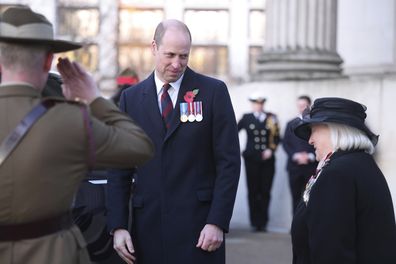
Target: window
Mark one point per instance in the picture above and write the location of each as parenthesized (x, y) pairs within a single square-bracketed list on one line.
[(209, 53), (78, 2), (257, 22), (138, 58), (257, 3), (207, 2), (136, 31), (141, 2), (138, 25), (78, 20), (78, 23), (254, 54), (204, 30), (257, 26), (88, 56), (210, 60)]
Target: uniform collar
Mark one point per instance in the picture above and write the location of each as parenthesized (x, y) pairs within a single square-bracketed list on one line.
[(18, 89)]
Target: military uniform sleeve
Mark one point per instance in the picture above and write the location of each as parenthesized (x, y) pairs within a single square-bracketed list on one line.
[(274, 137), (241, 124), (118, 141)]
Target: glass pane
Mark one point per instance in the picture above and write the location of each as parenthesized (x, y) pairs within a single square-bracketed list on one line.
[(139, 25), (88, 56), (254, 54), (258, 3), (82, 23), (257, 26), (78, 2), (209, 60), (141, 2), (139, 58), (203, 28), (207, 2)]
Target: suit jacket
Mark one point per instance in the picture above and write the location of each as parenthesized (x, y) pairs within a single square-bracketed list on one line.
[(260, 135), (349, 217), (293, 144), (190, 182), (40, 177)]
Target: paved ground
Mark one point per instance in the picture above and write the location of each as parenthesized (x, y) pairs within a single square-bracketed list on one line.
[(246, 247)]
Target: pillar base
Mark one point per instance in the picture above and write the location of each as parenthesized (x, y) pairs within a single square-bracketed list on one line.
[(298, 65)]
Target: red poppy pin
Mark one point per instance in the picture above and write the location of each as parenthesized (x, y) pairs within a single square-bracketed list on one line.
[(189, 96)]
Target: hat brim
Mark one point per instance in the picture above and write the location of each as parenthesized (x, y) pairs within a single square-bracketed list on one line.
[(257, 101), (302, 129), (54, 45)]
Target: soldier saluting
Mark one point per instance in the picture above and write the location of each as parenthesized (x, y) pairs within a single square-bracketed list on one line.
[(40, 169)]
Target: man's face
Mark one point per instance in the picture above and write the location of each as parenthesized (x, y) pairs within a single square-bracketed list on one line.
[(301, 105), (257, 106), (171, 55)]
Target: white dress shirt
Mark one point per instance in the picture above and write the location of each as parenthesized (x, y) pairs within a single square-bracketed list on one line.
[(173, 90)]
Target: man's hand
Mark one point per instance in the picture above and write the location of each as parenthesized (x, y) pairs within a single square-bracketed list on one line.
[(302, 158), (78, 85), (123, 245), (266, 154), (211, 238)]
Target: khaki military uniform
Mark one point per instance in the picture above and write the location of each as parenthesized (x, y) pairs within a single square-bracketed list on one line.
[(38, 180)]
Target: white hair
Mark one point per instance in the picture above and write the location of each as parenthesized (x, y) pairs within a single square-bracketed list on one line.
[(344, 137)]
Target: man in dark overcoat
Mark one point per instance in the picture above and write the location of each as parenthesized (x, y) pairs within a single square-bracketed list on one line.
[(184, 197), (301, 160)]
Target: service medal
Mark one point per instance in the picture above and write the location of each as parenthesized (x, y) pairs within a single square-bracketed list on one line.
[(191, 112), (183, 112), (198, 111)]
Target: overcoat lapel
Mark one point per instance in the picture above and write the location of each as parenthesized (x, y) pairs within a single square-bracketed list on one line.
[(150, 106), (188, 84)]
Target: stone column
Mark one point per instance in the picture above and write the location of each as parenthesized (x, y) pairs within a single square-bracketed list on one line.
[(238, 46), (107, 42), (300, 41)]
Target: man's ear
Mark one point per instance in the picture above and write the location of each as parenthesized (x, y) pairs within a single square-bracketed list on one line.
[(153, 47), (48, 61)]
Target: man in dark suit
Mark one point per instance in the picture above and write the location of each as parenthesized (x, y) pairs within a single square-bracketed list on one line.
[(262, 140), (184, 196), (301, 163)]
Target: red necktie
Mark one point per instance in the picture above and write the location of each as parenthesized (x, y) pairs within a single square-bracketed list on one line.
[(166, 105)]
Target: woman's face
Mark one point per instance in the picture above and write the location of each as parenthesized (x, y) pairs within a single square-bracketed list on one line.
[(321, 140)]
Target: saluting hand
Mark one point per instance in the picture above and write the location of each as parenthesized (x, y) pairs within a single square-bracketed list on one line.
[(78, 85)]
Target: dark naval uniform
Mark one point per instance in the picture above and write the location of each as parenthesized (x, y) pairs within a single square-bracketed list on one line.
[(262, 134)]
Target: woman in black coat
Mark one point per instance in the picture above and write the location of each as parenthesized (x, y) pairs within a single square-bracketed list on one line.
[(346, 213)]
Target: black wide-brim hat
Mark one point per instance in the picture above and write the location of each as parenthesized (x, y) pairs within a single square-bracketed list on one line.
[(334, 110), (19, 24)]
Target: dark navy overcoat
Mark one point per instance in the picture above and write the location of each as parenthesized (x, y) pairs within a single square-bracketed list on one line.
[(192, 179)]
